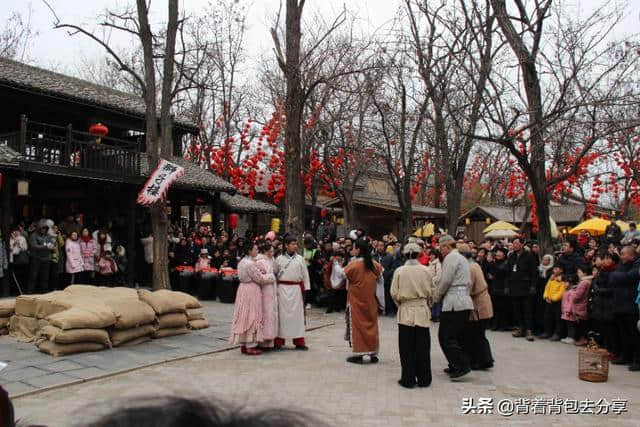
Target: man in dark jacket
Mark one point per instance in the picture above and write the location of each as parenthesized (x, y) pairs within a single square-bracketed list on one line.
[(613, 234), (390, 263), (498, 275), (624, 281), (41, 248), (569, 260), (521, 287)]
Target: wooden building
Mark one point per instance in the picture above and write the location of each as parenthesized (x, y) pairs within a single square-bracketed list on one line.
[(52, 167)]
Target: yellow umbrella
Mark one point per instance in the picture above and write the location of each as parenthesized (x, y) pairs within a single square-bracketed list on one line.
[(426, 230), (206, 217), (500, 225), (595, 226)]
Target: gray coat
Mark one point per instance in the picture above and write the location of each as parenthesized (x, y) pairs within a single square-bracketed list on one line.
[(455, 281)]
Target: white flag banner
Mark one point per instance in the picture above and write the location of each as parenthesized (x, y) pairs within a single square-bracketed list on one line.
[(159, 182)]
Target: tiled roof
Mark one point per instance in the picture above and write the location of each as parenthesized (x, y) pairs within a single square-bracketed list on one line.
[(389, 202), (8, 156), (22, 76), (194, 177), (242, 204), (561, 214)]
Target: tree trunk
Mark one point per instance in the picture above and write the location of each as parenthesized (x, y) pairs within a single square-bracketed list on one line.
[(407, 220), (350, 216), (294, 199), (454, 202)]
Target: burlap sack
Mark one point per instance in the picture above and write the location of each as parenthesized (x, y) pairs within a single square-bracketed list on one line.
[(102, 292), (90, 316), (163, 301), (198, 324), (56, 349), (72, 336), (123, 336), (42, 306), (25, 328), (194, 314), (130, 312), (7, 307), (189, 300), (171, 320), (137, 341), (4, 322), (168, 332)]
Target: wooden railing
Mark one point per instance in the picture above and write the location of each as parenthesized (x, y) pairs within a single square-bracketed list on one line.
[(62, 146)]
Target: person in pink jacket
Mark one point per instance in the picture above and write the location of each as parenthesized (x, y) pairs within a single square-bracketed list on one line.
[(75, 262), (269, 302), (89, 249), (574, 307)]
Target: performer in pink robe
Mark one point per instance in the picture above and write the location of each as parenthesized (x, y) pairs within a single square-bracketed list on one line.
[(269, 301), (246, 327)]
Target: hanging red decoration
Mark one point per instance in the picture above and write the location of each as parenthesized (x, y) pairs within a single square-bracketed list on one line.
[(233, 221), (98, 129), (324, 212)]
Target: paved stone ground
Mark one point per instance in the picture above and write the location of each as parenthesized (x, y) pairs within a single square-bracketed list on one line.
[(321, 382), (29, 370)]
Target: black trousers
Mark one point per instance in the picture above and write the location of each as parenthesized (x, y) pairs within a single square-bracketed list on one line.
[(451, 337), (502, 312), (552, 321), (389, 306), (337, 299), (476, 344), (38, 275), (414, 345), (523, 312), (626, 323), (611, 336)]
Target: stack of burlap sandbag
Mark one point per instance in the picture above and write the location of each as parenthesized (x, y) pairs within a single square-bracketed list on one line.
[(195, 316), (7, 309), (61, 323), (172, 311), (134, 319)]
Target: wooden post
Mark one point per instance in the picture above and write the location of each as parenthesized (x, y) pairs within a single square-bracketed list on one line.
[(216, 212), (192, 215), (7, 204), (131, 237), (23, 134), (67, 149)]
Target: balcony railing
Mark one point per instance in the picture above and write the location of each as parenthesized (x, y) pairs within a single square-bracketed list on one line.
[(52, 145)]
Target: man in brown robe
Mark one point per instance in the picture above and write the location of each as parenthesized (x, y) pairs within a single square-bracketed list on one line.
[(362, 316)]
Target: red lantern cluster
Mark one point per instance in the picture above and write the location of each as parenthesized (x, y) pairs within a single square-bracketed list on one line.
[(98, 129)]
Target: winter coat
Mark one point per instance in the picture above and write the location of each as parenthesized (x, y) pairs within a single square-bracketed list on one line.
[(18, 250), (89, 252), (40, 246), (554, 290), (523, 274), (601, 296), (575, 301), (147, 246), (4, 259), (499, 271), (482, 306), (624, 281), (75, 261)]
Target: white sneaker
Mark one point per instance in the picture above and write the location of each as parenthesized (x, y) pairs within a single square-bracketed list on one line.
[(308, 306), (567, 340)]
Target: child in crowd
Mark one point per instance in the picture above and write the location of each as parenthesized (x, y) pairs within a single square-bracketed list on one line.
[(574, 307), (203, 262), (107, 268), (553, 292)]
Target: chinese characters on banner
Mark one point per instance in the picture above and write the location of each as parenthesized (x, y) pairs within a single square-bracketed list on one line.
[(159, 182)]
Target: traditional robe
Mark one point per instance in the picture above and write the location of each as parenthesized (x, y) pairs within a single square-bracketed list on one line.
[(293, 277), (269, 303), (362, 318)]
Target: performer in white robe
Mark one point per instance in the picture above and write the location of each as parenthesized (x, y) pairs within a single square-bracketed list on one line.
[(293, 278)]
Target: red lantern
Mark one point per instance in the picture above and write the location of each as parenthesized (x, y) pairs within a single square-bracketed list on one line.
[(98, 130), (233, 220), (323, 212)]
